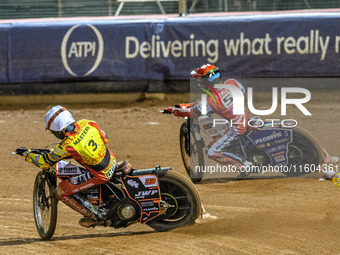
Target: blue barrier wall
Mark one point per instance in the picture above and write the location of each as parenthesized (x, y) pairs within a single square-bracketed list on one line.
[(4, 53), (284, 45)]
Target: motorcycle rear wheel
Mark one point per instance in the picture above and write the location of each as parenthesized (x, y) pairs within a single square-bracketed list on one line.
[(303, 151), (191, 152), (184, 200), (44, 206)]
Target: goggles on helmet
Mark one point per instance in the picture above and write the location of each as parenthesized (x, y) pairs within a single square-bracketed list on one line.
[(210, 77)]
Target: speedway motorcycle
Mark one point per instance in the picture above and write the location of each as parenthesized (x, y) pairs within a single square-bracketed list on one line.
[(270, 144), (158, 197)]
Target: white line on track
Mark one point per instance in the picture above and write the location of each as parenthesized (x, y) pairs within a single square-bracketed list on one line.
[(15, 199)]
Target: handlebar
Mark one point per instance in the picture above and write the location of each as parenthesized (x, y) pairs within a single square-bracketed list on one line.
[(37, 151), (166, 112)]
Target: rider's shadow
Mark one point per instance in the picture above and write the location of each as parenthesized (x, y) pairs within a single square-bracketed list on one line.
[(216, 180), (230, 179), (22, 241)]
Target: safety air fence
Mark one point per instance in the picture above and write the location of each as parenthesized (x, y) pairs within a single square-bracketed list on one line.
[(110, 49)]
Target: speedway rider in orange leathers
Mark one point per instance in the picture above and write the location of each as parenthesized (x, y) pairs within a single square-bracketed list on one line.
[(206, 76), (85, 142)]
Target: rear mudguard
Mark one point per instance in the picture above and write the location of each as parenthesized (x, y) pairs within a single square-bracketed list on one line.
[(158, 171)]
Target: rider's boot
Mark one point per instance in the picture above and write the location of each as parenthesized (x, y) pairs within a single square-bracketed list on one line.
[(94, 215), (223, 157), (246, 170), (88, 222), (98, 217)]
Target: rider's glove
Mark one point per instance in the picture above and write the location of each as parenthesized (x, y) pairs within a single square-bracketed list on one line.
[(22, 151), (169, 110), (182, 112)]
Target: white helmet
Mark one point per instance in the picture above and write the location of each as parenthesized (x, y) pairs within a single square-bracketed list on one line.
[(58, 118)]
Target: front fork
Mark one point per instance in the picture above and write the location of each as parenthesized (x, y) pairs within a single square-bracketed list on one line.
[(186, 130), (47, 175)]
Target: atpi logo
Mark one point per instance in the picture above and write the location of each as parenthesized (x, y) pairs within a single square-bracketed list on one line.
[(82, 50)]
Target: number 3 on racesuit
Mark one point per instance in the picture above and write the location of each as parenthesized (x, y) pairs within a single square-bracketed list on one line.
[(91, 146)]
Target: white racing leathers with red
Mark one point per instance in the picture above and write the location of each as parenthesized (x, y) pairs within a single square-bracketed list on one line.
[(237, 124)]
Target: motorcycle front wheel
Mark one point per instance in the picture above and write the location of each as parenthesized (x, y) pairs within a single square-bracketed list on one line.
[(44, 205), (182, 200), (191, 152)]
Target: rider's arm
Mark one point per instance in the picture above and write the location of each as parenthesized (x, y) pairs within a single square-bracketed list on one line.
[(47, 160), (192, 112), (236, 83), (187, 105), (104, 136)]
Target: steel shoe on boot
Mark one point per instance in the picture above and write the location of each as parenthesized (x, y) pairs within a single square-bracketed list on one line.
[(87, 222), (246, 170)]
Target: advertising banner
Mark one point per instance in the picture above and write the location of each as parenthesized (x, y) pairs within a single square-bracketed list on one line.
[(285, 45), (3, 53)]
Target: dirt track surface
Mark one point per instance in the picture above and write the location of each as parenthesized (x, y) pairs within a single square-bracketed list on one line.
[(270, 216)]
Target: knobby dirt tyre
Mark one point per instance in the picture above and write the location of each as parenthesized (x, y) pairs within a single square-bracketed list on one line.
[(304, 150), (182, 195), (44, 206), (191, 152)]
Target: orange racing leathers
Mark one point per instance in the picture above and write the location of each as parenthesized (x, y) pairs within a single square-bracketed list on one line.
[(86, 144)]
